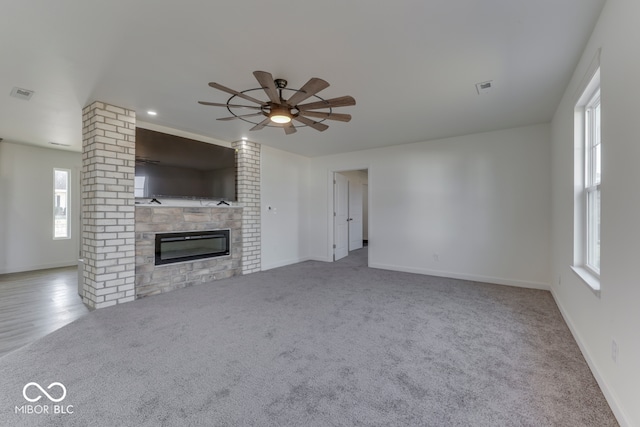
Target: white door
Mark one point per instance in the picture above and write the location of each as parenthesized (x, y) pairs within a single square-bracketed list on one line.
[(355, 215), (340, 216), (365, 211)]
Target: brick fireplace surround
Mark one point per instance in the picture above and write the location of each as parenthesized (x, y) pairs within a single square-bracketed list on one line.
[(116, 231)]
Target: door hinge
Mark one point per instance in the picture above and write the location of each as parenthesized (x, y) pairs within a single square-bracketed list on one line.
[(334, 246), (334, 214)]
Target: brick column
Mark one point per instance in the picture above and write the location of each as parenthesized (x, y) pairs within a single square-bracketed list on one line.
[(248, 182), (108, 209)]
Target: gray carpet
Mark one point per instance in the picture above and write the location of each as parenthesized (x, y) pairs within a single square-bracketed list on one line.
[(314, 344)]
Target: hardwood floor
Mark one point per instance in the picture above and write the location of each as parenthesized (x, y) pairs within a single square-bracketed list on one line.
[(36, 303)]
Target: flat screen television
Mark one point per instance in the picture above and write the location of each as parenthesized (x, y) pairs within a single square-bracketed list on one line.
[(169, 166)]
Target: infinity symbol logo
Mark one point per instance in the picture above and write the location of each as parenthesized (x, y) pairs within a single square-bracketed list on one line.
[(43, 391)]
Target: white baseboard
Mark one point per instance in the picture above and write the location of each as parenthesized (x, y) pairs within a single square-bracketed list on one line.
[(39, 267), (474, 278), (321, 259), (284, 263), (612, 400)]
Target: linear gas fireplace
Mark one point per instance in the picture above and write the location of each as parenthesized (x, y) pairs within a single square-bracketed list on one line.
[(192, 245)]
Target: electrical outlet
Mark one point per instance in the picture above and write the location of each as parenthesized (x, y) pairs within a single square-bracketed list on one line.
[(436, 257), (614, 351)]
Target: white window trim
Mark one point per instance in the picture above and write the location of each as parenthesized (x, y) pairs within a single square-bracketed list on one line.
[(68, 206), (591, 183), (580, 266), (588, 278)]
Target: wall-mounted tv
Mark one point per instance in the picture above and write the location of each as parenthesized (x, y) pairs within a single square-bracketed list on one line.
[(169, 166)]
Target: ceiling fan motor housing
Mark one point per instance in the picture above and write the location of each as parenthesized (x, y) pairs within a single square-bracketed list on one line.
[(280, 113)]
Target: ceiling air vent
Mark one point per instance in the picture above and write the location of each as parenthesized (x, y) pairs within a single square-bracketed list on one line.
[(24, 94), (484, 87)]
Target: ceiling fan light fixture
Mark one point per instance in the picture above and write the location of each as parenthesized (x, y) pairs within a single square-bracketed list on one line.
[(280, 115), (279, 118)]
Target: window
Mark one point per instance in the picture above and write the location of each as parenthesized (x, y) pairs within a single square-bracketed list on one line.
[(61, 204), (592, 182), (588, 178), (139, 188)]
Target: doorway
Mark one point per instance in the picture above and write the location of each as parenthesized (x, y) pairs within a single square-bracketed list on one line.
[(351, 212)]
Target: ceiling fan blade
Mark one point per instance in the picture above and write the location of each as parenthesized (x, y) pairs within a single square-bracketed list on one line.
[(261, 124), (328, 116), (310, 88), (236, 93), (216, 104), (289, 128), (343, 101), (316, 125), (266, 82), (238, 117)]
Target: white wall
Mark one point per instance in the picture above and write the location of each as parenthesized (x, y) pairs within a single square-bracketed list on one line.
[(481, 203), (284, 184), (595, 320), (26, 200)]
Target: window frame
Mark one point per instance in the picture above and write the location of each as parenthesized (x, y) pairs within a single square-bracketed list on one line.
[(587, 182), (592, 181), (67, 204)]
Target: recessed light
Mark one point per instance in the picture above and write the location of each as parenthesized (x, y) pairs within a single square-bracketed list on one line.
[(244, 138), (152, 113)]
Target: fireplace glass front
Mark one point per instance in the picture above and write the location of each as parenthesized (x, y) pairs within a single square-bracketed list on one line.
[(188, 246)]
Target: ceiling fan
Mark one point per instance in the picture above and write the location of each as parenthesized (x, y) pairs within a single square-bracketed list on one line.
[(280, 112)]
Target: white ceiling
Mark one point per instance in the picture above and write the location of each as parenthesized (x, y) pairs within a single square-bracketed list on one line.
[(411, 65)]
